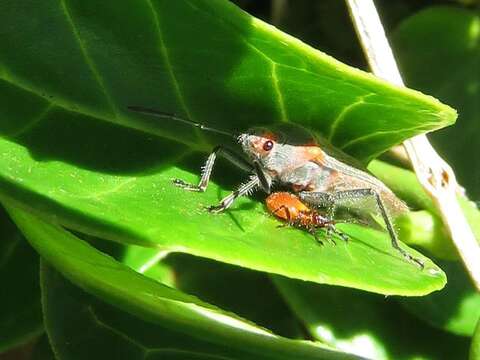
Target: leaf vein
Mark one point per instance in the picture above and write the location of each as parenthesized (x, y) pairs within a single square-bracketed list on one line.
[(376, 133), (166, 57), (9, 250), (117, 332), (171, 73), (65, 105), (276, 87), (341, 116), (88, 60), (32, 123)]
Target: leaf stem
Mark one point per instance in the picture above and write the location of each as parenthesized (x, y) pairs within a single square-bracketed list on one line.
[(435, 175)]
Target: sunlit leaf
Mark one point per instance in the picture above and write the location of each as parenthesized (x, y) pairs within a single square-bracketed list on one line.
[(69, 152)]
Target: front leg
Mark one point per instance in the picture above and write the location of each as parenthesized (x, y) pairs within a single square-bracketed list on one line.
[(208, 167), (244, 189)]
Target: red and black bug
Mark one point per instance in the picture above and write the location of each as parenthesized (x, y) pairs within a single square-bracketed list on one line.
[(321, 175), (289, 208)]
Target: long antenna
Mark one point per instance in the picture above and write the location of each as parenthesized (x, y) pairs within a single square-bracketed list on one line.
[(152, 112)]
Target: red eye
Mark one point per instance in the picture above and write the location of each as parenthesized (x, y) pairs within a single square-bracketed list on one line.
[(268, 145)]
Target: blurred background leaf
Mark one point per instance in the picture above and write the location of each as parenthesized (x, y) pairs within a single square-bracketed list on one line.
[(475, 347), (366, 324), (43, 350), (20, 310), (451, 35)]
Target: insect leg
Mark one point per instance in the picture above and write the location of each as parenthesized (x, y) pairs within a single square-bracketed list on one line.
[(287, 213), (313, 231), (208, 167), (359, 193), (320, 199), (331, 228), (265, 181), (244, 189)]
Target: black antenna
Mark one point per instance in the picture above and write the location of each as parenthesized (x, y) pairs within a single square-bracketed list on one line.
[(147, 111)]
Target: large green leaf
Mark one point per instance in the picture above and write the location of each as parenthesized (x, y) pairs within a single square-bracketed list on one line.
[(185, 56), (452, 35), (67, 155), (133, 209), (115, 283), (20, 311)]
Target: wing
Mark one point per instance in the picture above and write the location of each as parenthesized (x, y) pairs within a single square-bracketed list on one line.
[(347, 177)]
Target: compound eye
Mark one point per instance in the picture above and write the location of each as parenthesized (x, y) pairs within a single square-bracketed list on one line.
[(268, 145)]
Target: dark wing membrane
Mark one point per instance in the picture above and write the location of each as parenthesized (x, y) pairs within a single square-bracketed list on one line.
[(349, 178), (338, 154), (351, 174)]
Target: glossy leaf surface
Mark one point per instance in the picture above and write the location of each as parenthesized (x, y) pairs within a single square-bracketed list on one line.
[(67, 153), (131, 209), (146, 53)]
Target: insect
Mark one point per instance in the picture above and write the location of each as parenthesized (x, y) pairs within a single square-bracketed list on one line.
[(321, 175), (288, 207)]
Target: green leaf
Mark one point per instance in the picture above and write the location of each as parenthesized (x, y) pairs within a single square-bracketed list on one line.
[(219, 284), (368, 325), (112, 332), (130, 209), (426, 230), (147, 261), (63, 158), (118, 285), (20, 311), (475, 347), (324, 25), (249, 294), (452, 35), (147, 53)]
